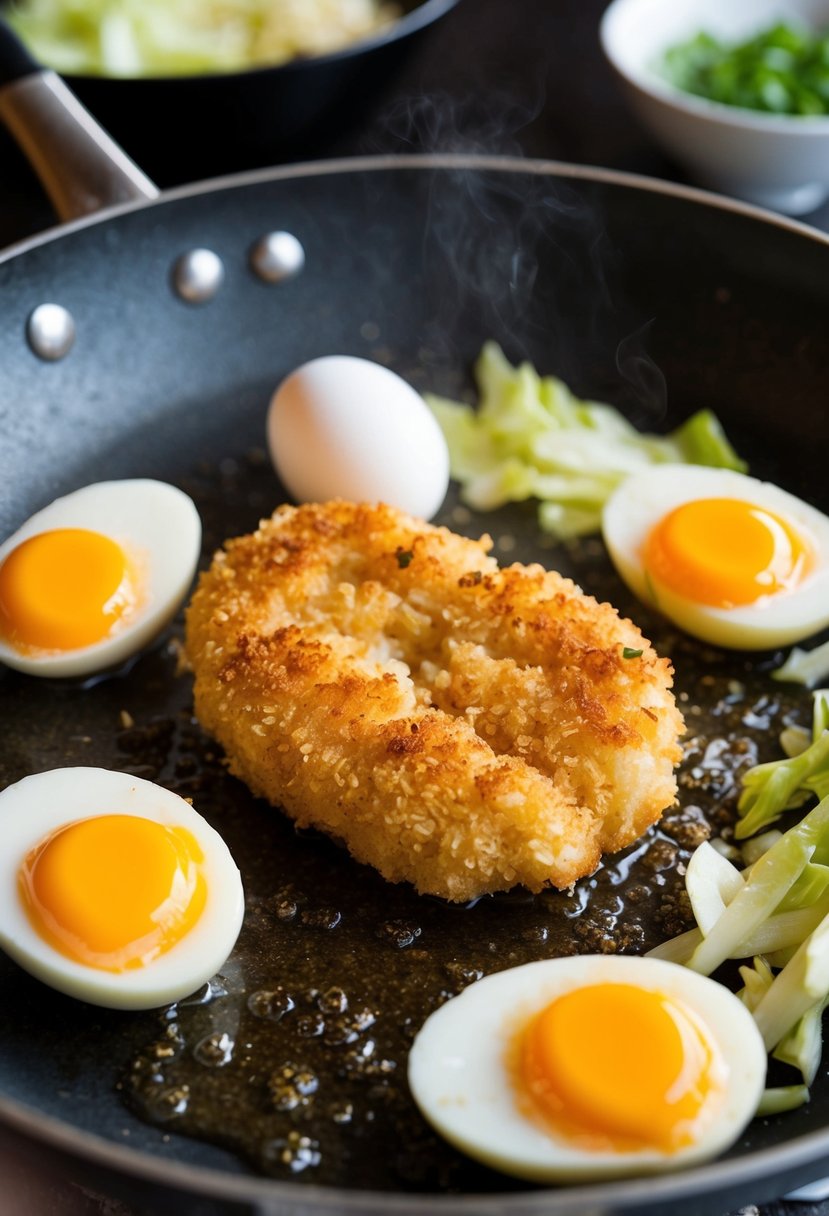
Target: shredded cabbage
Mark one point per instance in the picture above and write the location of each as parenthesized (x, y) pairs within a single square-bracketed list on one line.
[(770, 789), (530, 437), (802, 1046), (779, 1099), (803, 983), (769, 881), (711, 882), (776, 910), (180, 37)]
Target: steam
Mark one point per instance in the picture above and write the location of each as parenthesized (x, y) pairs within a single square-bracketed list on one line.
[(438, 122), (645, 378), (523, 257)]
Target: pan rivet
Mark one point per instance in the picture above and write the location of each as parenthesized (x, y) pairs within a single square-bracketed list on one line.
[(50, 331), (277, 256), (198, 275)]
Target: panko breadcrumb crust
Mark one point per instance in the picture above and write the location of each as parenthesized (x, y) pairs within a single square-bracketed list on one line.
[(458, 725)]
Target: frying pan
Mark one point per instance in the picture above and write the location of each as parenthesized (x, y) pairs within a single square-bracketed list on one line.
[(658, 298)]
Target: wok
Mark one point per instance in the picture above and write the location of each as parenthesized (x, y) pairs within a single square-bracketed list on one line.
[(658, 298)]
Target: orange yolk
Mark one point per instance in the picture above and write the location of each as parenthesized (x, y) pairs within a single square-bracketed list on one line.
[(64, 589), (620, 1067), (114, 892), (725, 552)]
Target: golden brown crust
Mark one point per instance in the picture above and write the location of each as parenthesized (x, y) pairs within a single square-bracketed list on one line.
[(458, 725)]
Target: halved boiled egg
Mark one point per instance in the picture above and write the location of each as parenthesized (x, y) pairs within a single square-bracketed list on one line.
[(93, 577), (113, 889), (730, 559), (586, 1066)]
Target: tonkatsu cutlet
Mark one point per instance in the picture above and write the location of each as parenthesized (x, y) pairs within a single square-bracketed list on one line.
[(457, 725)]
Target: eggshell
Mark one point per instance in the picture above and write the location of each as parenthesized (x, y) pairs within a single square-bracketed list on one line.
[(342, 427)]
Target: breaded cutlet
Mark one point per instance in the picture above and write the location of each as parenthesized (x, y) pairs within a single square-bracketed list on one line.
[(457, 725)]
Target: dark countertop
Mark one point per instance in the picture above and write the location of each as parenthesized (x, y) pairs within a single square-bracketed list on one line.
[(523, 77)]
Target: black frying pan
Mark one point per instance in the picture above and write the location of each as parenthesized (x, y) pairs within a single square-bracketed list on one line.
[(660, 299)]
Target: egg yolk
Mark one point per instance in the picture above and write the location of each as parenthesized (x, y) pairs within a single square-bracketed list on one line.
[(114, 892), (64, 589), (725, 552), (620, 1067)]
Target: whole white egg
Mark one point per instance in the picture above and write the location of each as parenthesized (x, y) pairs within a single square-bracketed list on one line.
[(645, 1066), (343, 427), (730, 559), (113, 889), (95, 576)]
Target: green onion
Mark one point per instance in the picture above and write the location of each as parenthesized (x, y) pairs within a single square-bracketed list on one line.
[(780, 70)]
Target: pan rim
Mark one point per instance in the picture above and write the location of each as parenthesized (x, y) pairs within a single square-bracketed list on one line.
[(427, 162), (630, 1194), (800, 1156)]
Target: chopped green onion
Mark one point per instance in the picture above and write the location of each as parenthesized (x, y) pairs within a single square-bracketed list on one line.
[(628, 652), (782, 70)]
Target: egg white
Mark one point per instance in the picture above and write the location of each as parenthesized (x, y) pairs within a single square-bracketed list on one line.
[(38, 805), (159, 527), (775, 620), (460, 1081), (343, 427)]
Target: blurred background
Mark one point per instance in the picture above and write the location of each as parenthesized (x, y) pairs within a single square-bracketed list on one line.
[(524, 77)]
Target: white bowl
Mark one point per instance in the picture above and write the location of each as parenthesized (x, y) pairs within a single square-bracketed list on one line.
[(778, 161)]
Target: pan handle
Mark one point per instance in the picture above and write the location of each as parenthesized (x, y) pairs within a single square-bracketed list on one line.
[(82, 169)]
